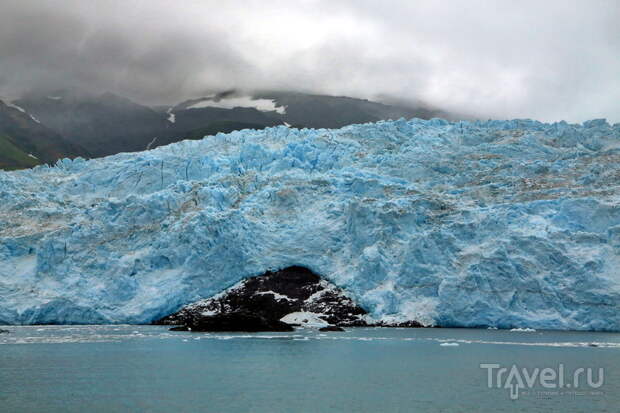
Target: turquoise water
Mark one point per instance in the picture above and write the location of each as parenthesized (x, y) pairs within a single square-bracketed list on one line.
[(147, 368)]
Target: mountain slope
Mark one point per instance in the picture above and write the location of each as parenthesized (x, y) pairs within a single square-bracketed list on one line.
[(103, 124), (25, 142), (321, 111), (216, 127), (499, 223), (108, 124), (12, 157), (301, 109)]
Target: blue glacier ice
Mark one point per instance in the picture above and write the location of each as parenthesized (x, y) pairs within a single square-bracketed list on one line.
[(497, 223)]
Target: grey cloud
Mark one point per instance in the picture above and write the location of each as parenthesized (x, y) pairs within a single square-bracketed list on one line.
[(547, 60)]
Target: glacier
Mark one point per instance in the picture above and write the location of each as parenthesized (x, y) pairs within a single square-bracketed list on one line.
[(508, 224)]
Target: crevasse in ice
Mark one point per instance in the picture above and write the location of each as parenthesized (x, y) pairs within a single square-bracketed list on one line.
[(499, 223)]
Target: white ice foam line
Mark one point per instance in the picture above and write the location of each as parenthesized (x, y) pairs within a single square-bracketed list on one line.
[(98, 334)]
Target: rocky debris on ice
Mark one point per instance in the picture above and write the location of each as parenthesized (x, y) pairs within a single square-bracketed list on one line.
[(399, 324), (466, 224)]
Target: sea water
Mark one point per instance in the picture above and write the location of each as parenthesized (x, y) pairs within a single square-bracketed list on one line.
[(148, 368)]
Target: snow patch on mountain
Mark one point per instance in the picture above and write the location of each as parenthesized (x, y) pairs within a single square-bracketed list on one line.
[(509, 224), (172, 118), (263, 105), (22, 110), (14, 106)]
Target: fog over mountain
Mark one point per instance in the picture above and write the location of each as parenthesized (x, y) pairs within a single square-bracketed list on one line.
[(489, 59)]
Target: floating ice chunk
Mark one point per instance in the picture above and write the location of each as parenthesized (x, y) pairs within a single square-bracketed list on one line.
[(305, 319)]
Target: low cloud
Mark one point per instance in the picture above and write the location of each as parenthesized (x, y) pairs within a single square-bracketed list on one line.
[(546, 60)]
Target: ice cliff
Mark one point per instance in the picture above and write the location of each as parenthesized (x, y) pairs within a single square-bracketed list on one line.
[(499, 223)]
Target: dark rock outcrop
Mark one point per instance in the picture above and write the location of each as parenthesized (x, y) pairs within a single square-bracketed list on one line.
[(4, 331), (258, 304), (240, 321), (331, 328)]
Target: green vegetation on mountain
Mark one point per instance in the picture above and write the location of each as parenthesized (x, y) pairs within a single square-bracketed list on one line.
[(21, 135), (11, 157)]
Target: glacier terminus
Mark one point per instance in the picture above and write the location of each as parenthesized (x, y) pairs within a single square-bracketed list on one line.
[(507, 224)]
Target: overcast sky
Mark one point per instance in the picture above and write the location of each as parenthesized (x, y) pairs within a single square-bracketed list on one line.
[(548, 60)]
